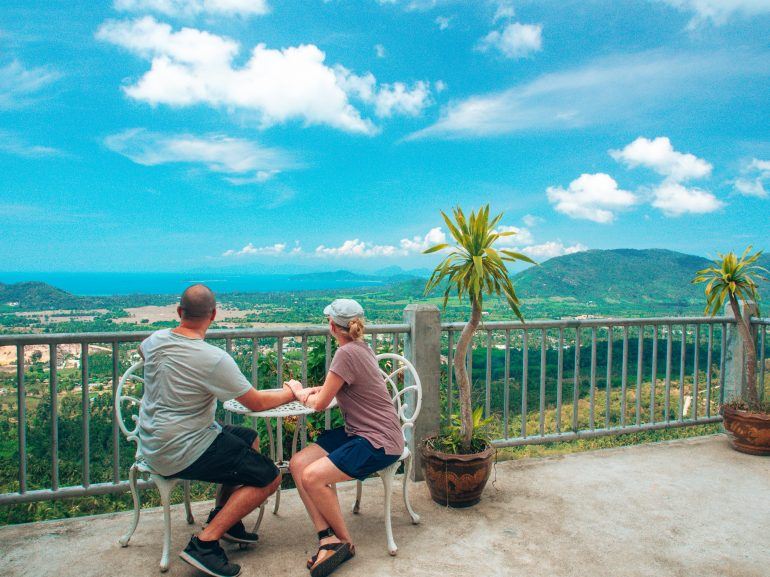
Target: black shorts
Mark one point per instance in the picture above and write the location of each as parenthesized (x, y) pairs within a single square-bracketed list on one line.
[(231, 460)]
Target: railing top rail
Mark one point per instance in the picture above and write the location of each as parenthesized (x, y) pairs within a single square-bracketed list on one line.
[(245, 333), (760, 321), (596, 322)]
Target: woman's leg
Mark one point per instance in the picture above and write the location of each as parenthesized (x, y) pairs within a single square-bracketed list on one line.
[(317, 481), (299, 462)]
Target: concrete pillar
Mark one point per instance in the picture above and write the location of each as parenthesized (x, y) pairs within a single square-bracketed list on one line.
[(423, 348), (735, 378)]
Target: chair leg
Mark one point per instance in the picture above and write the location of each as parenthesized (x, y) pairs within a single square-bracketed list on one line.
[(277, 501), (132, 474), (259, 518), (407, 467), (187, 505), (387, 480), (357, 504), (164, 488)]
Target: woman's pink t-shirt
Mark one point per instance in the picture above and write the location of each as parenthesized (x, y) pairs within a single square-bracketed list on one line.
[(364, 398)]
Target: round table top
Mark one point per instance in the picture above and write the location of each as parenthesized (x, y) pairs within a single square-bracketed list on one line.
[(292, 409)]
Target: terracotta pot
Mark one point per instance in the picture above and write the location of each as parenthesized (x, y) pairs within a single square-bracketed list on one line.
[(456, 480), (749, 432)]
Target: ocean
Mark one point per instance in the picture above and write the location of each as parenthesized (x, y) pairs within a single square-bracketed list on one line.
[(102, 283)]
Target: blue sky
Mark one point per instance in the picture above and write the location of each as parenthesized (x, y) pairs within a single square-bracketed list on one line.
[(173, 135)]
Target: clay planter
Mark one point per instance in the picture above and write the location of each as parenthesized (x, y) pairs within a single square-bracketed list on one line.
[(749, 432), (456, 480)]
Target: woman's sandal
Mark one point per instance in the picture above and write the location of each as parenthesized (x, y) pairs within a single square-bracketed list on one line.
[(341, 552)]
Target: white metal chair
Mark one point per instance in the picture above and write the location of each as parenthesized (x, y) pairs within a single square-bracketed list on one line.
[(140, 467), (402, 403)]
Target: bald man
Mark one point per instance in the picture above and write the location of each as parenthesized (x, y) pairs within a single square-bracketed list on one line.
[(184, 378)]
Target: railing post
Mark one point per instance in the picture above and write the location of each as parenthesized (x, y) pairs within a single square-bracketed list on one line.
[(423, 348), (735, 376)]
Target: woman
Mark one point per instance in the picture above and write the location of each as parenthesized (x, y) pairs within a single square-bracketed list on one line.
[(370, 440)]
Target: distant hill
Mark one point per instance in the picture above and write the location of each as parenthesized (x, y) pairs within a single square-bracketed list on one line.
[(36, 295), (386, 276), (618, 276)]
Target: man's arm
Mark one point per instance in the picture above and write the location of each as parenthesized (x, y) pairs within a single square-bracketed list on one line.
[(255, 400)]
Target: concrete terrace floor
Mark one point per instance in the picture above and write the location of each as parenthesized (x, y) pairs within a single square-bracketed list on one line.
[(681, 508)]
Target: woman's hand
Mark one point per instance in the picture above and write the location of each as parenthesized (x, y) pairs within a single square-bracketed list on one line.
[(304, 395), (295, 386)]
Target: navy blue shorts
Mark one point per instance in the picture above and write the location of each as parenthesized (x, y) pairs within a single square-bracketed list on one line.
[(353, 455)]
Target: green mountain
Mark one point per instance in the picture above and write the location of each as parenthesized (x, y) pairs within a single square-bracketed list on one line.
[(36, 295), (619, 276)]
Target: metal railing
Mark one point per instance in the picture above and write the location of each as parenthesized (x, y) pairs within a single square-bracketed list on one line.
[(543, 381), (285, 347), (593, 377)]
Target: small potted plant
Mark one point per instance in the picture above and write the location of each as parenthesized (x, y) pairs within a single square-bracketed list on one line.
[(733, 279), (457, 463)]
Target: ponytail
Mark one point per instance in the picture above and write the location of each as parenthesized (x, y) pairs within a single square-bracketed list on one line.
[(356, 329)]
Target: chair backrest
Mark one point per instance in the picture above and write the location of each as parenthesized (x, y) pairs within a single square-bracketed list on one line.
[(120, 398), (401, 366)]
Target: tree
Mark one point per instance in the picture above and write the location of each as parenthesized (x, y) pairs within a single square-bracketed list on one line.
[(735, 279), (473, 268)]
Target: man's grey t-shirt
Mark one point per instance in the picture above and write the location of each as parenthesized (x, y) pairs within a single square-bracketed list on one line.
[(183, 378)]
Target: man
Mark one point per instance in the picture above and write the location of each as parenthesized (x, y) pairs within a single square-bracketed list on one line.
[(184, 378)]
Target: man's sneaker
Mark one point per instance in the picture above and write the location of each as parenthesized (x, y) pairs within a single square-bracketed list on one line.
[(210, 558), (237, 533)]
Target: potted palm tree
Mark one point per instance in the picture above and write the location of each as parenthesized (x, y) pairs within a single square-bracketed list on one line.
[(457, 463), (733, 279)]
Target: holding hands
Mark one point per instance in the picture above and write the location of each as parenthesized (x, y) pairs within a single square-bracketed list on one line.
[(300, 393)]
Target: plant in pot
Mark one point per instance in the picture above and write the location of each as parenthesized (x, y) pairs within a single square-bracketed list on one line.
[(458, 461), (732, 279)]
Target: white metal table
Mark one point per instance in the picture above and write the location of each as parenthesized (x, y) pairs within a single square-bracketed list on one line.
[(292, 409)]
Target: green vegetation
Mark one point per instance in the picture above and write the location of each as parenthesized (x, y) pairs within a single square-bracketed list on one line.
[(626, 284), (473, 269), (734, 279)]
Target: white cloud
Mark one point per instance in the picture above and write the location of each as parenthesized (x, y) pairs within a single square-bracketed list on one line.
[(593, 197), (522, 236), (188, 8), (675, 199), (361, 249), (387, 99), (749, 187), (357, 248), (763, 165), (660, 156), (443, 22), (531, 220), (250, 249), (550, 249), (671, 196), (418, 244), (19, 85), (11, 143), (380, 51), (607, 91), (515, 40), (503, 10), (191, 66), (243, 161), (752, 183), (719, 11)]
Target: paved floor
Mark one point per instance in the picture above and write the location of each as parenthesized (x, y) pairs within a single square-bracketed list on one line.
[(691, 508)]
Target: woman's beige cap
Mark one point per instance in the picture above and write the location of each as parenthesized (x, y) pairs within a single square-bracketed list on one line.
[(342, 311)]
